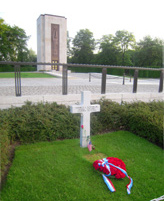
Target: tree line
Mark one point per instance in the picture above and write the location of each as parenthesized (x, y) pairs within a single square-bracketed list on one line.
[(119, 49)]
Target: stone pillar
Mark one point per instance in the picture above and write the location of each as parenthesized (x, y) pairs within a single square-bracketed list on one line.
[(51, 41)]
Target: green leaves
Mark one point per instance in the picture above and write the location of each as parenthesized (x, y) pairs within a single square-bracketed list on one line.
[(125, 39), (143, 119), (43, 122), (119, 49), (149, 52), (84, 44), (40, 122), (13, 43)]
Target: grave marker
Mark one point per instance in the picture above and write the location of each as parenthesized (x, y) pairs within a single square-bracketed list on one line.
[(85, 108)]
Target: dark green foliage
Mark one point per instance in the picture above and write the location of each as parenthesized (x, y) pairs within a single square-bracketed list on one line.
[(43, 122), (111, 71), (4, 147), (119, 72), (149, 52), (83, 46), (118, 50), (109, 117), (40, 122), (9, 68), (149, 74), (13, 43), (143, 119)]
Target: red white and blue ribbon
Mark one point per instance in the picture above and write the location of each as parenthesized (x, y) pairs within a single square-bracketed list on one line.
[(105, 163), (108, 183)]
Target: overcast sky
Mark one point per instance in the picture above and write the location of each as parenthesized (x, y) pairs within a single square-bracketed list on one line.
[(141, 17)]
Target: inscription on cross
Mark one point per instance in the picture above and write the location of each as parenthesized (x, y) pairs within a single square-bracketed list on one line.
[(85, 108)]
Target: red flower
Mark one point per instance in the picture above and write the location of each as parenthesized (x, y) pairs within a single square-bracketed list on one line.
[(114, 171), (82, 126)]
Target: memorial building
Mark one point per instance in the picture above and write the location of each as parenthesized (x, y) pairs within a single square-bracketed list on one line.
[(51, 41)]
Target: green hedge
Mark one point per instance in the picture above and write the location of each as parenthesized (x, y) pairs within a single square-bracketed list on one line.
[(31, 123), (119, 72), (42, 122), (143, 119), (108, 118), (9, 68), (4, 147)]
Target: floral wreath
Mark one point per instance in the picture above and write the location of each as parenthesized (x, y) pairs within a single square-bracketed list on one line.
[(112, 166)]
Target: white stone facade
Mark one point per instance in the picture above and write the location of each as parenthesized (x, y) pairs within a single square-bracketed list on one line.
[(44, 40)]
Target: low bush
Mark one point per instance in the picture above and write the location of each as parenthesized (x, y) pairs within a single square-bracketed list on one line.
[(9, 68), (4, 147), (108, 118), (143, 119), (42, 122)]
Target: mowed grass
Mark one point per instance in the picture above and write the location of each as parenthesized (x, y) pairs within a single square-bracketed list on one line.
[(62, 170), (26, 75)]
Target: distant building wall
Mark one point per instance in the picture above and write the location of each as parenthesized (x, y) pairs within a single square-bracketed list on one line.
[(51, 41)]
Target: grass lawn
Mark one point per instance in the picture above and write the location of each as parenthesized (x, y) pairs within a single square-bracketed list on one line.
[(61, 170), (26, 75)]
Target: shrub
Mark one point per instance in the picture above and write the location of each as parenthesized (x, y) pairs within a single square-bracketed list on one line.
[(47, 121), (109, 117), (9, 68), (4, 146), (145, 120), (41, 122)]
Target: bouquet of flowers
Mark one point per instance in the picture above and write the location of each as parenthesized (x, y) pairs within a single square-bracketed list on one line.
[(115, 167)]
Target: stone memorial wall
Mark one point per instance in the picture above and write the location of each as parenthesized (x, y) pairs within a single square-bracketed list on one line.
[(51, 41)]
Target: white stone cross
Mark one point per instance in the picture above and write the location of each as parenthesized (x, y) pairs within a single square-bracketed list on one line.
[(85, 108)]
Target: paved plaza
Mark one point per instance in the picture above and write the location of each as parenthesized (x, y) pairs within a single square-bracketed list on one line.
[(77, 82)]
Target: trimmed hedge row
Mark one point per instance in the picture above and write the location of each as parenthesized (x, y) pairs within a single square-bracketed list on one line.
[(4, 146), (142, 119), (119, 72), (9, 68), (145, 120), (42, 122)]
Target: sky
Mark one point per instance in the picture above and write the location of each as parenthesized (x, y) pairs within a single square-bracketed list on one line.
[(101, 17)]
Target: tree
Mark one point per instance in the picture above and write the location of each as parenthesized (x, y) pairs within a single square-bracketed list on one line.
[(149, 52), (69, 50), (83, 47), (109, 52), (31, 56), (124, 39), (13, 43)]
